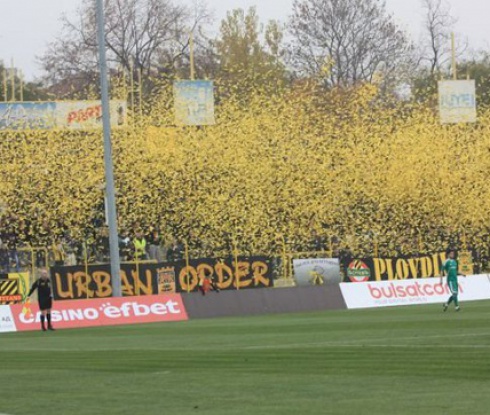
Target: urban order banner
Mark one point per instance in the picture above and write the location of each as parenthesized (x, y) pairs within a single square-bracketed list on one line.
[(78, 282)]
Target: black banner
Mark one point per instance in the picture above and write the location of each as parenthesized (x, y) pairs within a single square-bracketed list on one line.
[(77, 282), (393, 268), (228, 274)]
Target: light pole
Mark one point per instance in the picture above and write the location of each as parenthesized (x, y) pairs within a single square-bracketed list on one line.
[(109, 170)]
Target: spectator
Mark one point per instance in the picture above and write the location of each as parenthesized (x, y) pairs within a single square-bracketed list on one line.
[(176, 251), (59, 254), (154, 245), (140, 246), (102, 245)]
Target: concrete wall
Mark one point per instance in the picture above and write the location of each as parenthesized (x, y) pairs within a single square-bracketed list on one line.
[(263, 301)]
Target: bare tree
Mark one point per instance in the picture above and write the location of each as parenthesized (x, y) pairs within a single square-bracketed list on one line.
[(438, 26), (347, 41), (148, 35)]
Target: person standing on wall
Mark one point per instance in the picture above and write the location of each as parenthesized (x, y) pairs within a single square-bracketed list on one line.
[(45, 298)]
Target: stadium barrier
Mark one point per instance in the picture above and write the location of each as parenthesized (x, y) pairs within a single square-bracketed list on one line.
[(173, 307), (256, 302), (184, 306), (32, 258), (412, 291)]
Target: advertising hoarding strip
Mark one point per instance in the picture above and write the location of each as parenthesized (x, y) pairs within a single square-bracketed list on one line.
[(105, 312), (413, 291)]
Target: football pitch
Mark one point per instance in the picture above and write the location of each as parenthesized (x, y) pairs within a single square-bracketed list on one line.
[(407, 360)]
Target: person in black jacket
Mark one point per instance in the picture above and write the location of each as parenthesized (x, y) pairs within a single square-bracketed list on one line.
[(45, 298)]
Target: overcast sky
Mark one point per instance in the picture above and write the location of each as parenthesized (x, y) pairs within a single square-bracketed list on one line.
[(27, 26)]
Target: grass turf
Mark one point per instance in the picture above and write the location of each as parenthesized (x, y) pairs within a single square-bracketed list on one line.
[(407, 360)]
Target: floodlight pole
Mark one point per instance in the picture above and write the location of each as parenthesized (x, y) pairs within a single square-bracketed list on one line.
[(109, 170)]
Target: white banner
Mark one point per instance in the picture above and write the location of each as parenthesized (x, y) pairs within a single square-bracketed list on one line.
[(457, 101), (61, 114), (406, 292), (194, 102), (315, 271), (7, 322), (88, 114)]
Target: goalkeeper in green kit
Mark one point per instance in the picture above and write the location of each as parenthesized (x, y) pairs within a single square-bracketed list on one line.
[(450, 268)]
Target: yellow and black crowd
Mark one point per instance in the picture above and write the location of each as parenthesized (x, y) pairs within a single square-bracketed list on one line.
[(298, 170)]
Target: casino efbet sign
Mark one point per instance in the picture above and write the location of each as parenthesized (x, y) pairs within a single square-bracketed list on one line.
[(99, 312)]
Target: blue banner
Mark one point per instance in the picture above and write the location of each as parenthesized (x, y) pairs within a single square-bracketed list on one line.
[(27, 115), (194, 102)]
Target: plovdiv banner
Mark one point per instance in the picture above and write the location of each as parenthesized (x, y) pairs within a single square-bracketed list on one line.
[(194, 102), (316, 271), (395, 268), (62, 114), (457, 101)]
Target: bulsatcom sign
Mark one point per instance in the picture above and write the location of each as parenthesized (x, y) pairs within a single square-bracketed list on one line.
[(457, 102), (407, 292)]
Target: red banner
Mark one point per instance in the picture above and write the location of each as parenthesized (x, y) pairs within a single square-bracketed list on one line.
[(105, 312)]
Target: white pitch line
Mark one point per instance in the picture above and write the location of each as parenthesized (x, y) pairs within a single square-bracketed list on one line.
[(368, 342), (358, 345)]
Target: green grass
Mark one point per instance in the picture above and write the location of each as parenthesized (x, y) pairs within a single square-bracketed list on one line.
[(408, 360)]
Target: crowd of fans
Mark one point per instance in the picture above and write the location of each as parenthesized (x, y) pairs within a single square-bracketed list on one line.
[(298, 171)]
